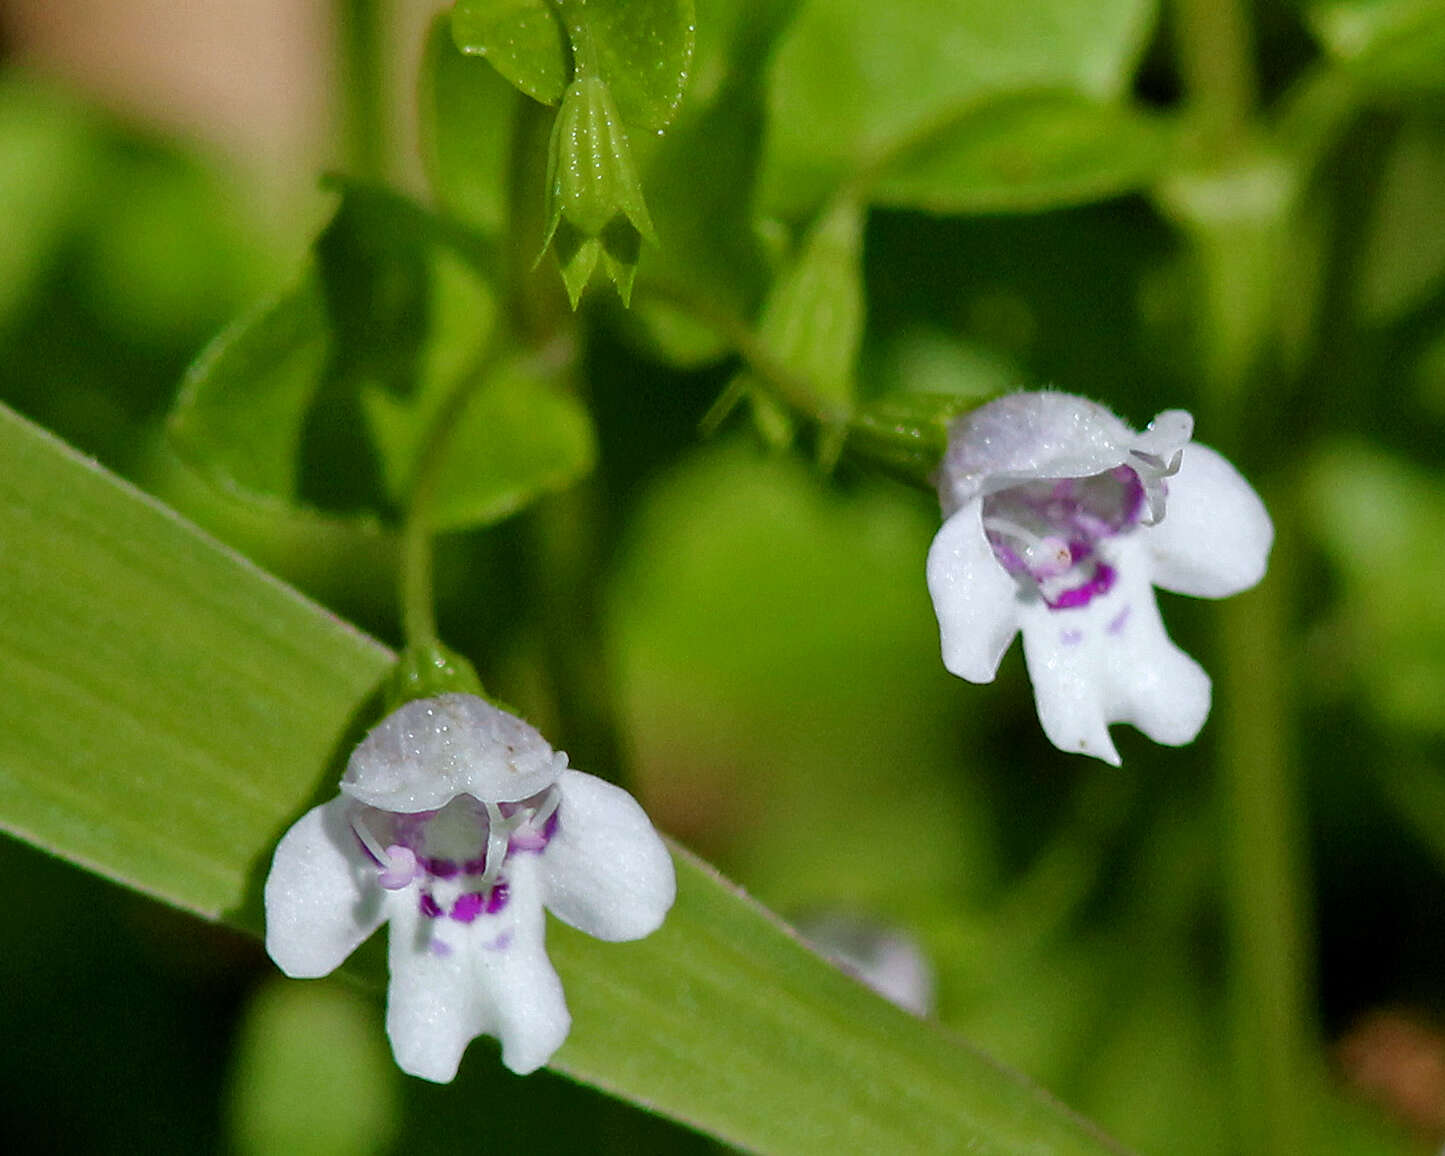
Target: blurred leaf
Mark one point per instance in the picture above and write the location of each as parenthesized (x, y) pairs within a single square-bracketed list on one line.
[(852, 80), (390, 321), (1403, 260), (313, 1076), (777, 660), (1026, 153), (1394, 45), (243, 402), (466, 112), (516, 439), (1379, 519), (168, 710), (641, 49), (700, 177), (524, 40), (48, 160)]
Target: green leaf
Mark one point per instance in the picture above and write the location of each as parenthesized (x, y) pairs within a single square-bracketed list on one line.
[(642, 49), (1027, 153), (517, 439), (312, 1075), (813, 320), (854, 79), (467, 113), (167, 711), (1377, 518), (524, 40), (243, 403), (1392, 45)]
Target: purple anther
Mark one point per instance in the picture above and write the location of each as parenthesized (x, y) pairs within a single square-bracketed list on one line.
[(1101, 583), (429, 906), (1116, 624), (441, 868), (497, 897), (399, 869), (467, 907)]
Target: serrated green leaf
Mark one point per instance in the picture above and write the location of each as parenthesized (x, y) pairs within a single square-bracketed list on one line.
[(167, 711), (467, 112), (1028, 153), (524, 40), (853, 79), (1393, 45)]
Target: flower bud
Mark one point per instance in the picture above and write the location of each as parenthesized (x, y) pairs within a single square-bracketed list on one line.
[(595, 208)]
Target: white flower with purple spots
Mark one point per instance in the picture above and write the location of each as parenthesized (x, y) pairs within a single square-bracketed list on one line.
[(1059, 522), (457, 823)]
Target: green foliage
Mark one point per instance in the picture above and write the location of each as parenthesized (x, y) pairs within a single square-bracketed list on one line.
[(854, 81), (219, 707), (1027, 153), (524, 40), (1394, 46)]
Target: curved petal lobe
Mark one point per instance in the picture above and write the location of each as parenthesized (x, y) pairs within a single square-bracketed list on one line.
[(322, 899), (605, 870), (1215, 535), (974, 598), (433, 1006), (1111, 661)]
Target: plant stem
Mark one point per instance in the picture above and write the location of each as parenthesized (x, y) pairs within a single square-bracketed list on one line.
[(1260, 822), (1214, 47), (360, 26), (418, 615)]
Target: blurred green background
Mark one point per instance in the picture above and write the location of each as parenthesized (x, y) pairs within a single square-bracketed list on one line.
[(765, 634)]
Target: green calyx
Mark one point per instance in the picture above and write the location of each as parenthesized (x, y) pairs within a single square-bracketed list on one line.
[(595, 209)]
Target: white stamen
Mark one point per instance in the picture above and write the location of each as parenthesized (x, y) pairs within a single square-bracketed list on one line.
[(1046, 556)]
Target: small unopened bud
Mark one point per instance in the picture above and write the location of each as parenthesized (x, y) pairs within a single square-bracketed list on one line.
[(595, 209)]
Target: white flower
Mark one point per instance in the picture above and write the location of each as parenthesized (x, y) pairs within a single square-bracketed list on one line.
[(458, 823), (1059, 521)]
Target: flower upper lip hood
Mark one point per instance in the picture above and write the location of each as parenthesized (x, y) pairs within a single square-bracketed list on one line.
[(432, 750), (1047, 434), (1059, 522)]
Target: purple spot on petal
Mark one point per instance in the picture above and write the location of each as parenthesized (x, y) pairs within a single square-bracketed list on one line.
[(429, 906), (497, 897), (501, 943), (1100, 583), (526, 839), (1071, 637), (1116, 624), (467, 907), (441, 868), (440, 948), (475, 866)]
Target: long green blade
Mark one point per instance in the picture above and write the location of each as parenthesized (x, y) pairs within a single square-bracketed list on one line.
[(166, 710)]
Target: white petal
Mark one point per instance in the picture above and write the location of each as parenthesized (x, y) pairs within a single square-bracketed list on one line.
[(322, 898), (605, 870), (1111, 661), (526, 996), (1215, 536), (450, 982), (974, 598), (433, 1006)]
